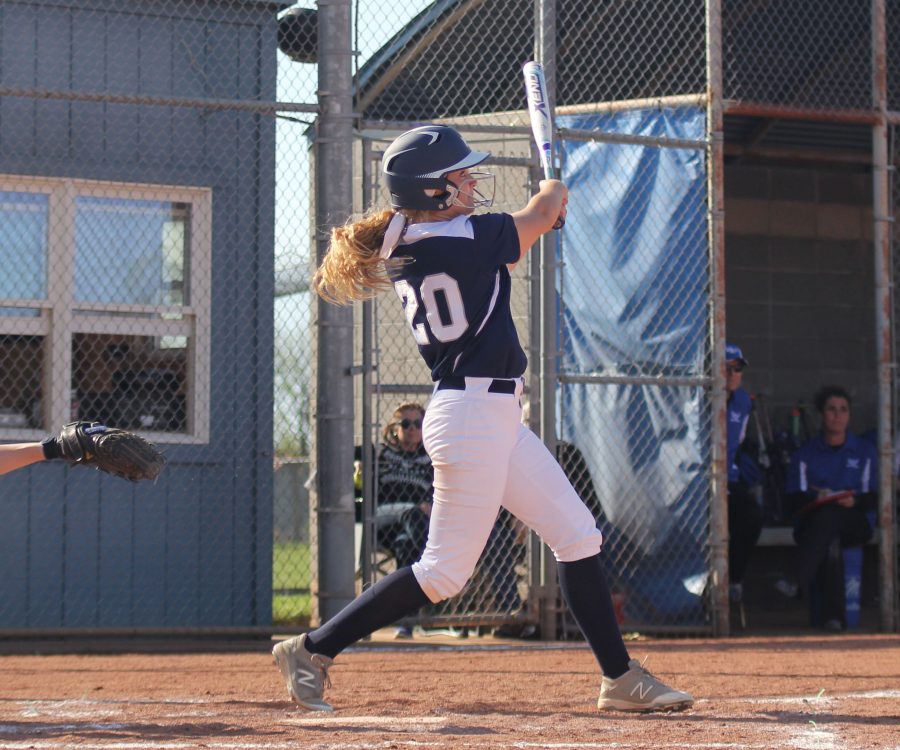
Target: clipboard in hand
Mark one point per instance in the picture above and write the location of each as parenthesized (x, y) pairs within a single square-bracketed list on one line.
[(824, 500)]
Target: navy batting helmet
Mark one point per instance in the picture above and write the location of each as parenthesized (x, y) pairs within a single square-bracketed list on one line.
[(420, 159)]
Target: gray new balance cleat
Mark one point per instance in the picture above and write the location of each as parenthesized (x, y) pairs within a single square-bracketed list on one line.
[(638, 690), (305, 674)]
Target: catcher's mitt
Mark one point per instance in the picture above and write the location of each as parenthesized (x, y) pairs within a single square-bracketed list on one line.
[(110, 449)]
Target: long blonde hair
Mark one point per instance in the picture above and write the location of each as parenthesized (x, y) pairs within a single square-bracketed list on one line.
[(353, 268)]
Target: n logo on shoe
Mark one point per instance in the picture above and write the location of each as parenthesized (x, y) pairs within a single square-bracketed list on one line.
[(641, 690), (306, 677)]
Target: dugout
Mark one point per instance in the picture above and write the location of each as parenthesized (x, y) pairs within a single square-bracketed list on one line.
[(137, 153), (804, 251)]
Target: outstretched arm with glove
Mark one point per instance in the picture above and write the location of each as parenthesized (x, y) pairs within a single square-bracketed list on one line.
[(19, 455), (117, 452)]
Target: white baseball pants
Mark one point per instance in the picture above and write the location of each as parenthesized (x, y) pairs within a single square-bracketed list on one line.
[(484, 457)]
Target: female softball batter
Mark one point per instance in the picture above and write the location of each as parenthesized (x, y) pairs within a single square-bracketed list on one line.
[(449, 269)]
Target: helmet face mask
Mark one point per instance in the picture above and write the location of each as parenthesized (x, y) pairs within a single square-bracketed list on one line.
[(479, 197), (419, 160)]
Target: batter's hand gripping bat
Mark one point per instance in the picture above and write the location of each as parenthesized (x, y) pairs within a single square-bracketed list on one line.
[(541, 119)]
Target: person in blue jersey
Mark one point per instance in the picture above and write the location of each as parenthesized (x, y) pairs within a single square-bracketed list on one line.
[(745, 515), (831, 486), (450, 270)]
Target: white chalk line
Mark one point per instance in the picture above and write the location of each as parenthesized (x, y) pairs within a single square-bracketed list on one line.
[(874, 694), (411, 648), (806, 741), (71, 703), (642, 744), (823, 699), (232, 745), (877, 693), (174, 745), (810, 737), (57, 702), (814, 739), (366, 720)]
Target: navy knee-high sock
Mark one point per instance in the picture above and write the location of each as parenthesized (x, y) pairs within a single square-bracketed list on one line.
[(393, 597), (584, 587)]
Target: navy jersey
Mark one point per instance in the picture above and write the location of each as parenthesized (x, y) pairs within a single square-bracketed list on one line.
[(739, 407), (454, 286)]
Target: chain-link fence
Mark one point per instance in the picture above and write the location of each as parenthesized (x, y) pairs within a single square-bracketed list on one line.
[(162, 173), (639, 70), (803, 55), (141, 202), (410, 79), (636, 429), (399, 385), (292, 562)]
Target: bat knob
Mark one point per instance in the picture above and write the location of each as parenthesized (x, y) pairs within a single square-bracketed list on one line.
[(560, 222)]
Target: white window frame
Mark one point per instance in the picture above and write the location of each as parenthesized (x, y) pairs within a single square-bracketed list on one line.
[(58, 323)]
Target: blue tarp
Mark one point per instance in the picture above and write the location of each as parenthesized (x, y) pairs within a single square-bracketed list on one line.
[(634, 302)]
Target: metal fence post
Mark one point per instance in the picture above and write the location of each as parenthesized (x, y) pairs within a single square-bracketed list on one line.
[(545, 51), (881, 216), (536, 547), (369, 440), (718, 538), (334, 328)]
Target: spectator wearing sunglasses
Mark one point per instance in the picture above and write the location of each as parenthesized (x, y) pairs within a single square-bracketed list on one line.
[(745, 515), (405, 482)]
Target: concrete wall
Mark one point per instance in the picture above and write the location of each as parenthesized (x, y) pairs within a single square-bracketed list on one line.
[(800, 286)]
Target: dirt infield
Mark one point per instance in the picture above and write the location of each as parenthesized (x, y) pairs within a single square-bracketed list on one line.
[(818, 693)]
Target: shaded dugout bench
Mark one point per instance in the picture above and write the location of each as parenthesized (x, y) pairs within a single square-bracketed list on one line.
[(764, 607)]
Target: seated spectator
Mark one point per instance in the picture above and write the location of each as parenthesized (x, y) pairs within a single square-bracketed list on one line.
[(404, 486), (403, 492), (830, 485), (745, 515)]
